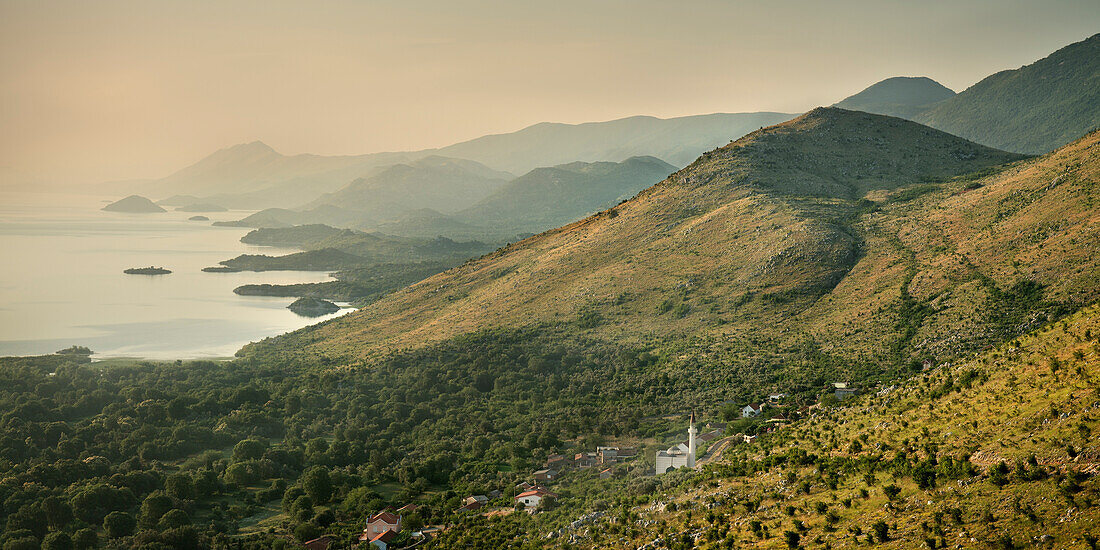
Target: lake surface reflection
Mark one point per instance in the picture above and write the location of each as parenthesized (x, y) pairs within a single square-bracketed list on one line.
[(62, 283)]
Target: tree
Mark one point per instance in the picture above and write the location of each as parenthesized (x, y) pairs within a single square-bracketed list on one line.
[(119, 524), (95, 502), (179, 486), (85, 539), (793, 538), (891, 491), (174, 518), (241, 474), (317, 484), (178, 408), (881, 530), (413, 521), (154, 507), (29, 517), (58, 512), (57, 540), (181, 537), (325, 518), (292, 493), (249, 449), (22, 543), (306, 531)]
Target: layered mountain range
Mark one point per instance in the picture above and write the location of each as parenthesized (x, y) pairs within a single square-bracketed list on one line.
[(1034, 109), (868, 234)]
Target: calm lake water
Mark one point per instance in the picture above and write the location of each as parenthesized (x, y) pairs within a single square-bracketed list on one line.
[(62, 283)]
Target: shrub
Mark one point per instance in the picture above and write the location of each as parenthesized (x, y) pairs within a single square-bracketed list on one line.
[(881, 531)]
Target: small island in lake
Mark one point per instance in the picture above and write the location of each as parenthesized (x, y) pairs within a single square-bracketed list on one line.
[(134, 204), (75, 350), (146, 271), (309, 306), (199, 219)]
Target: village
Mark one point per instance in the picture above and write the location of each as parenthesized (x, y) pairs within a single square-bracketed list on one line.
[(388, 530)]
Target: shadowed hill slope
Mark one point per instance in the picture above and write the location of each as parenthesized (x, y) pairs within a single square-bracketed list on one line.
[(439, 183), (549, 197), (1033, 109), (901, 96), (769, 237)]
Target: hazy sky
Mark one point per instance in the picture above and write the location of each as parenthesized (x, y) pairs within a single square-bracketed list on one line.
[(96, 90)]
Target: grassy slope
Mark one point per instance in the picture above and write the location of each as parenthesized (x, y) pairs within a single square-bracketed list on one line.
[(960, 246), (1006, 404), (741, 244)]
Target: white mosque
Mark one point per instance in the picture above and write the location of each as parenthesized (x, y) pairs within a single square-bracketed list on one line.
[(681, 455)]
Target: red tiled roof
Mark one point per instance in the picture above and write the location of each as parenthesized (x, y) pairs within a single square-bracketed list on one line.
[(385, 516), (319, 543), (385, 536), (538, 492)]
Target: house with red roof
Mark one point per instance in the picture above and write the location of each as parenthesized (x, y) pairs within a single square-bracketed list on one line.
[(380, 523), (534, 497), (382, 541)]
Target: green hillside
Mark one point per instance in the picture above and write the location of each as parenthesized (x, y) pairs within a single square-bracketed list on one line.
[(751, 236), (1034, 109), (998, 450)]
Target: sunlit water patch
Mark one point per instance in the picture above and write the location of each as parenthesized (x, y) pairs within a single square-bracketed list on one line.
[(62, 282)]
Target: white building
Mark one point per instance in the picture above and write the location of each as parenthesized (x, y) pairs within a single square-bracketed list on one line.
[(751, 410), (534, 497), (680, 456)]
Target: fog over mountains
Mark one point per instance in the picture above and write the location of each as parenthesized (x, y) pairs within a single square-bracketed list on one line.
[(255, 175)]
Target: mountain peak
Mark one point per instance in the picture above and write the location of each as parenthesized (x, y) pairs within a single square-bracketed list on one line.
[(252, 147), (838, 153), (900, 96)]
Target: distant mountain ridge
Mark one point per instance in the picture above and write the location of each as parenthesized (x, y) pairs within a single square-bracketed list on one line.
[(436, 182), (901, 96), (256, 167), (541, 199), (545, 198), (255, 175), (1034, 109), (677, 140)]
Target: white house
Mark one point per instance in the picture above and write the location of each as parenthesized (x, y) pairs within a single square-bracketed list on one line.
[(751, 410), (534, 497)]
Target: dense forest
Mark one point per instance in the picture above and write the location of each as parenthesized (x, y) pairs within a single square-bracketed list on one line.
[(186, 454)]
